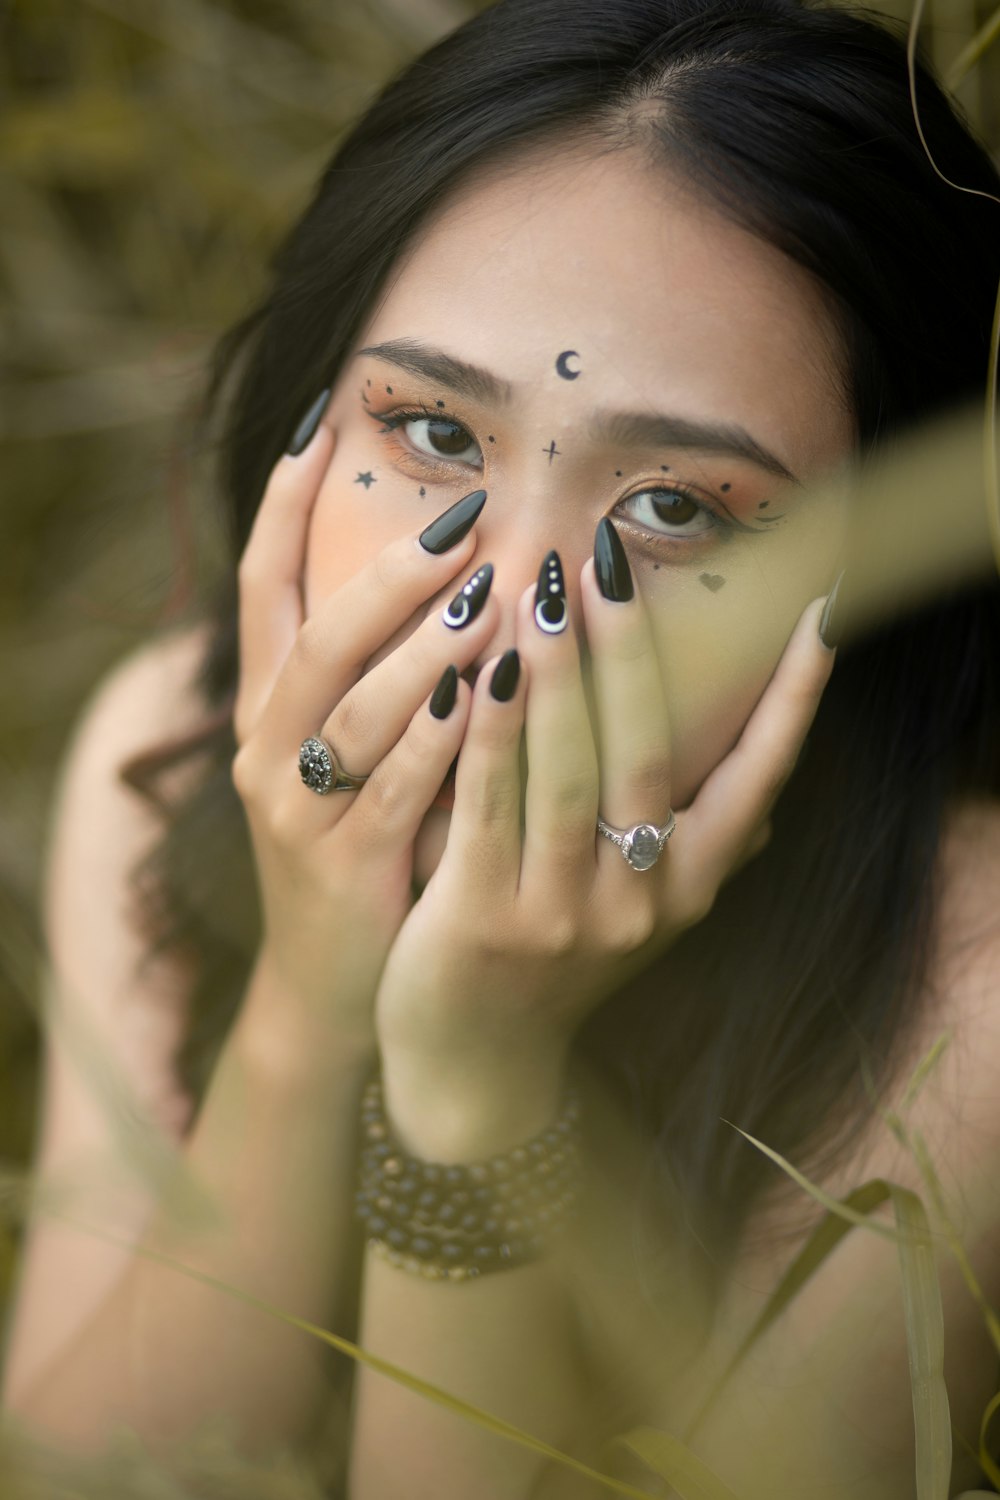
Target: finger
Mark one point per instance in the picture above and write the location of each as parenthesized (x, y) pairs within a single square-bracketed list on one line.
[(270, 569), (633, 728), (741, 791), (333, 645), (370, 718), (484, 840), (386, 814), (561, 794)]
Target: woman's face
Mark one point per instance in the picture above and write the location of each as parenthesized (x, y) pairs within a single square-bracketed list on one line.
[(630, 354)]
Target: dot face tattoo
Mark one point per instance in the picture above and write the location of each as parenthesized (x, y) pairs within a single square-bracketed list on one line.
[(562, 365)]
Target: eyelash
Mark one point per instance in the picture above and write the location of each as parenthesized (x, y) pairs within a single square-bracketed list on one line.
[(444, 468)]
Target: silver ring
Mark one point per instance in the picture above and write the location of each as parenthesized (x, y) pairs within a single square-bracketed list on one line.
[(321, 771), (642, 844)]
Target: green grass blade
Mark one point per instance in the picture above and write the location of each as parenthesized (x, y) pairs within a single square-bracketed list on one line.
[(925, 1068), (840, 1207), (824, 1239), (974, 50), (668, 1457), (924, 1318), (987, 1462)]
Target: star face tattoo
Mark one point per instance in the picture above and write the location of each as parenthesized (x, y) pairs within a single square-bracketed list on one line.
[(367, 479)]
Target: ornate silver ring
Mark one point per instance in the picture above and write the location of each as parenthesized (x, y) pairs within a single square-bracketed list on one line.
[(642, 844), (321, 771)]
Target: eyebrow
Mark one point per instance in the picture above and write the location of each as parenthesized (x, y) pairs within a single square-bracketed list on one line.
[(641, 429)]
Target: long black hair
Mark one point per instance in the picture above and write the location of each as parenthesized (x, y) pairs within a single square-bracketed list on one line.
[(797, 122)]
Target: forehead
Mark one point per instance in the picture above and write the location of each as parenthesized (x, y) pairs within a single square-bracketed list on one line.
[(660, 295)]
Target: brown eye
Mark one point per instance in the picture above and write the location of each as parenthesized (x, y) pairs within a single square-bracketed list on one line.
[(676, 510), (440, 437), (669, 511)]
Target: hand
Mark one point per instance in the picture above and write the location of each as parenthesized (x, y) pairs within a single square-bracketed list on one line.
[(335, 871), (517, 936)]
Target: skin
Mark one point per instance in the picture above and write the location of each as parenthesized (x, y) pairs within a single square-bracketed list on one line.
[(680, 695), (671, 308)]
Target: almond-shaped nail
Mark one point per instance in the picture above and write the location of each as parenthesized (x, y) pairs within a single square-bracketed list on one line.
[(448, 529), (829, 625), (444, 695), (470, 599), (551, 614), (306, 430), (614, 576), (503, 683)]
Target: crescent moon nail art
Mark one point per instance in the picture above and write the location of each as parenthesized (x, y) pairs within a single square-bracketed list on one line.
[(470, 599), (551, 614)]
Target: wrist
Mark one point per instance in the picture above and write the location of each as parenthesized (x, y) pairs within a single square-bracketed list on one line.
[(284, 1034), (467, 1114)]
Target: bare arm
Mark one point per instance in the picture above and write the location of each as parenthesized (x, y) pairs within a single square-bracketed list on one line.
[(101, 1333), (273, 1149)]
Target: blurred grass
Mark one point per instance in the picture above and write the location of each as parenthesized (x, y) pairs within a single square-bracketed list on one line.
[(151, 154)]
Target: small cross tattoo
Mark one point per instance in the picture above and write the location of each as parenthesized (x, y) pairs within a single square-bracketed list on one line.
[(552, 451)]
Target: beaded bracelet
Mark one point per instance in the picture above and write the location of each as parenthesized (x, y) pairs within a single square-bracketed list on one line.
[(451, 1221)]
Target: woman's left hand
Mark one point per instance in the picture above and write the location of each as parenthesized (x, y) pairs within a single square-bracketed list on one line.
[(518, 935)]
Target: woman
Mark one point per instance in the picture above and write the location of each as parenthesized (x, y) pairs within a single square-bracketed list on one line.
[(536, 459)]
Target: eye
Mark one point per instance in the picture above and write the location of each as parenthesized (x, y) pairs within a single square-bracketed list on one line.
[(437, 437), (669, 512)]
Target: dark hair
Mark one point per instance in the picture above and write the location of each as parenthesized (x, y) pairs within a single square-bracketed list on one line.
[(797, 121)]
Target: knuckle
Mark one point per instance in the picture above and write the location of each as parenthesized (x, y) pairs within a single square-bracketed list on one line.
[(649, 778), (634, 926), (351, 724), (555, 938), (494, 800), (384, 792), (284, 823)]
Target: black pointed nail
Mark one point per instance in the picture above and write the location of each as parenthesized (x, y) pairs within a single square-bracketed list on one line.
[(444, 695), (470, 598), (454, 523), (503, 683), (829, 627), (614, 576), (551, 614), (306, 430)]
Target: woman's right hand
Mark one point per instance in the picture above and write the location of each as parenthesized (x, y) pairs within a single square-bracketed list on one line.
[(335, 872)]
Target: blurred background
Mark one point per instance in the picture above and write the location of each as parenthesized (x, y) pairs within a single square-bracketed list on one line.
[(152, 153)]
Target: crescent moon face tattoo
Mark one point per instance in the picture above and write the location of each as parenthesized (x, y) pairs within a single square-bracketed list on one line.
[(562, 365)]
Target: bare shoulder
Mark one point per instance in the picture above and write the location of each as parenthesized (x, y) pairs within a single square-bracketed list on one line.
[(100, 829), (113, 1021)]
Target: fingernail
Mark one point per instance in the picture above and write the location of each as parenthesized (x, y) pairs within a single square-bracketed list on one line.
[(614, 576), (444, 695), (829, 628), (503, 683), (454, 523), (470, 599), (551, 614), (306, 430)]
